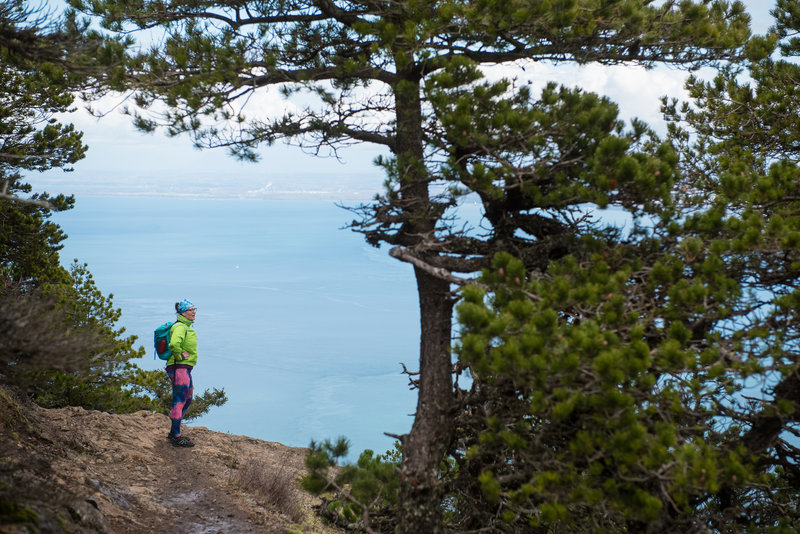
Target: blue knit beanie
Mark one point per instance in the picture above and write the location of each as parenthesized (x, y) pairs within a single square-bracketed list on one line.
[(184, 305)]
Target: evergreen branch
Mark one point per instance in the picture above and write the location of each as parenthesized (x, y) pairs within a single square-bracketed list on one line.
[(7, 155), (154, 20), (369, 137), (403, 254), (317, 74), (398, 437), (4, 195), (365, 521), (413, 383), (767, 426), (576, 53), (327, 11), (346, 17), (36, 202)]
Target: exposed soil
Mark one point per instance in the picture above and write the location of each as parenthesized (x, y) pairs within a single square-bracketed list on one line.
[(72, 470)]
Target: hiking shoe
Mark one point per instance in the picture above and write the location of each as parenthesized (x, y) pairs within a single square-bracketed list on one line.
[(180, 441)]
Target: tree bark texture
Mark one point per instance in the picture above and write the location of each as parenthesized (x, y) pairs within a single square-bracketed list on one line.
[(419, 497), (420, 494)]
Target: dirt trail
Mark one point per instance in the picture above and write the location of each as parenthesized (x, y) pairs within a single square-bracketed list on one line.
[(72, 470)]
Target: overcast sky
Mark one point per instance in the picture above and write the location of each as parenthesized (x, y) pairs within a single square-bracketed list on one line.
[(122, 160)]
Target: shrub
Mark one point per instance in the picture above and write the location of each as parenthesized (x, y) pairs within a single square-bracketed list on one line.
[(273, 484)]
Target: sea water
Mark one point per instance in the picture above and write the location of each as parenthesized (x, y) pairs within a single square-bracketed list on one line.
[(301, 322)]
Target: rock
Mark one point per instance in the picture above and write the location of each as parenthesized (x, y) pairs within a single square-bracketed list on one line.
[(88, 516)]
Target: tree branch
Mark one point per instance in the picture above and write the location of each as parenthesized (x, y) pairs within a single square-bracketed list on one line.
[(403, 254), (4, 195)]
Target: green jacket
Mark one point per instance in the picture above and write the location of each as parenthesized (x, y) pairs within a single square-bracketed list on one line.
[(182, 338)]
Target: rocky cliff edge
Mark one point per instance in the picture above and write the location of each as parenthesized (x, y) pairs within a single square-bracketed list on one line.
[(78, 471)]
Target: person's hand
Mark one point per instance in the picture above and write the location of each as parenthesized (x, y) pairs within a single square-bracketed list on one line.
[(184, 355)]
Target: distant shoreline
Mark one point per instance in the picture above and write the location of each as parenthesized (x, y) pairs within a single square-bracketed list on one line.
[(284, 187), (288, 195)]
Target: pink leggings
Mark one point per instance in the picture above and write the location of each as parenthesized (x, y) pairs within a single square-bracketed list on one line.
[(182, 394)]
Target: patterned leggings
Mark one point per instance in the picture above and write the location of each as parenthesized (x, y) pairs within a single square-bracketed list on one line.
[(182, 394)]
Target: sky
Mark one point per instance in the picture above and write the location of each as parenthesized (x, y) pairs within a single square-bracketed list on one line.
[(124, 161)]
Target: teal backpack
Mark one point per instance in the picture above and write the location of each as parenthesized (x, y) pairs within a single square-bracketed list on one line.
[(161, 340)]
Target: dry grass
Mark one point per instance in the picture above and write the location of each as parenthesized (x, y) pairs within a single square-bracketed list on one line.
[(274, 486)]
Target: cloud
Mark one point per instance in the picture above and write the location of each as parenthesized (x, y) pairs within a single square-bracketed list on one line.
[(119, 154), (636, 90)]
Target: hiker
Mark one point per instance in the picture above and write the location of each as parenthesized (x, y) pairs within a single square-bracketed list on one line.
[(183, 344)]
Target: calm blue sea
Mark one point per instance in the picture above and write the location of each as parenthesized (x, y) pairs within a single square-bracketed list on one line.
[(300, 321)]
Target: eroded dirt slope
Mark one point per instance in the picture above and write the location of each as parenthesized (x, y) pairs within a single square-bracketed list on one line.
[(72, 470)]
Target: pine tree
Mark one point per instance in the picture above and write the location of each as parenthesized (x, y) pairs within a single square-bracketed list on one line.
[(652, 383), (407, 76)]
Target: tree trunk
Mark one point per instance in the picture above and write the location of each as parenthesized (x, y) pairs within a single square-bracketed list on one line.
[(424, 447), (420, 494)]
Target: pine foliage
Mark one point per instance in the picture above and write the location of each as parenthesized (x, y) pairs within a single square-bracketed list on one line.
[(59, 338), (410, 76)]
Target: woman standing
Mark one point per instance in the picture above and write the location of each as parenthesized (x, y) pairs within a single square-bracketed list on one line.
[(183, 344)]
